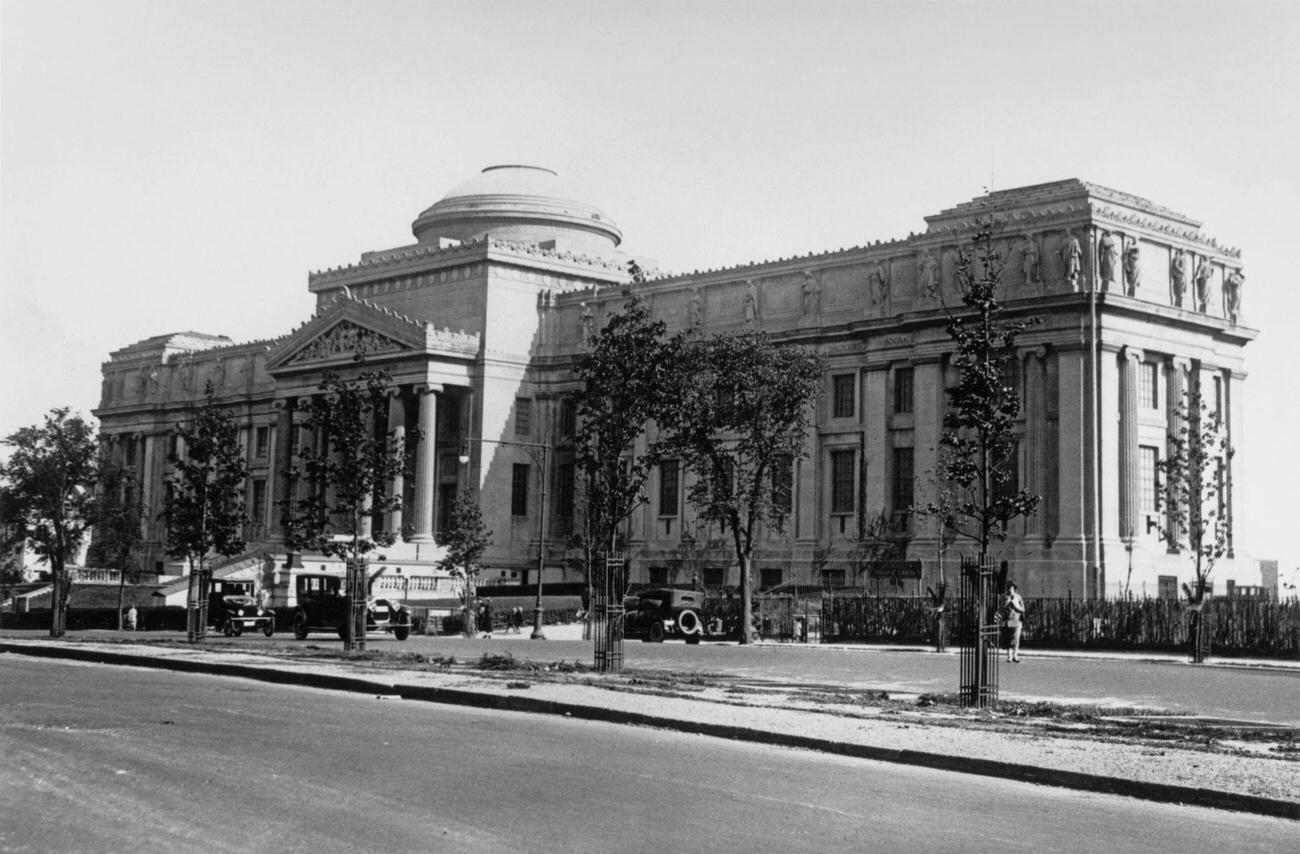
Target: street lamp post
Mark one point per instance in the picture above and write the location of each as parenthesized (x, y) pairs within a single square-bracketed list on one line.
[(533, 449)]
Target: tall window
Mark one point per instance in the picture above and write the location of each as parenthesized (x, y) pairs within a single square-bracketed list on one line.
[(903, 390), (258, 512), (564, 490), (261, 442), (523, 416), (568, 417), (519, 490), (843, 493), (842, 396), (783, 484), (769, 578), (668, 488), (1148, 385), (903, 480), (1147, 456)]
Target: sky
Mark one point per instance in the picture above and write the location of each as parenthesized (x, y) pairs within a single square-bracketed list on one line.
[(170, 166)]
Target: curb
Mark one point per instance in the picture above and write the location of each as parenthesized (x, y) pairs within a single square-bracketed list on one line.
[(1158, 792)]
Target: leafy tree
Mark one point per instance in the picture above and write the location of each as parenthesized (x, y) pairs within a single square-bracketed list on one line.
[(204, 501), (348, 471), (977, 455), (466, 539), (117, 517), (47, 482), (626, 382), (1195, 486), (742, 409)]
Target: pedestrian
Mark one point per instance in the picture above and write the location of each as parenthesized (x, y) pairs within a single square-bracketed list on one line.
[(131, 616), (487, 618), (518, 616), (1013, 612)]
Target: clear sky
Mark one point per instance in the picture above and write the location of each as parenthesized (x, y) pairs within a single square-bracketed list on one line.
[(170, 165)]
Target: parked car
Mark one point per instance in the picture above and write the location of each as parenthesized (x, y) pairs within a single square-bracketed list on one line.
[(656, 615), (233, 608), (323, 607)]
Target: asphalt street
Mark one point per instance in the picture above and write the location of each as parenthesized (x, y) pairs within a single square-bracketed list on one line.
[(100, 758)]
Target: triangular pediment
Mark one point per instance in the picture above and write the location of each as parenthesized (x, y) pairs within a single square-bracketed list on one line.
[(345, 333)]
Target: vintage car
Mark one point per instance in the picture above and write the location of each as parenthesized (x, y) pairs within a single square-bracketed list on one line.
[(655, 615), (233, 608), (323, 607)]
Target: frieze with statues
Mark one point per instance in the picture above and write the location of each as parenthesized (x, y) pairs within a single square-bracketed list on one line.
[(344, 340)]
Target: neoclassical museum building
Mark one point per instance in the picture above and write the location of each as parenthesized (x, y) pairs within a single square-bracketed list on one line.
[(478, 321)]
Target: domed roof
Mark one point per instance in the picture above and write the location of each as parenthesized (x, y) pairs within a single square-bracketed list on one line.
[(514, 202)]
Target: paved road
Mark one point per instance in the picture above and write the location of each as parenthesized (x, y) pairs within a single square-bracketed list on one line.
[(119, 759)]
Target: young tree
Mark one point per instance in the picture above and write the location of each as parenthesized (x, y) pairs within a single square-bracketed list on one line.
[(466, 540), (116, 517), (741, 413), (47, 482), (979, 495), (626, 381), (204, 501), (1195, 484), (348, 471)]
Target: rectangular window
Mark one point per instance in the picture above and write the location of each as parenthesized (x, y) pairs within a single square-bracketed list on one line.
[(843, 481), (261, 442), (832, 578), (903, 480), (519, 490), (1147, 456), (769, 578), (783, 484), (659, 575), (715, 576), (568, 417), (259, 501), (843, 399), (903, 390), (523, 416), (564, 475), (1218, 397), (668, 488), (1167, 586), (1148, 385)]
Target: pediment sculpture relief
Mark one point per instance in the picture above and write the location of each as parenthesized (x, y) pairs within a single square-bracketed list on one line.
[(342, 340)]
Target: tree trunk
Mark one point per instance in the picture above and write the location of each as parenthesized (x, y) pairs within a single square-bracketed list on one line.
[(746, 601), (121, 596)]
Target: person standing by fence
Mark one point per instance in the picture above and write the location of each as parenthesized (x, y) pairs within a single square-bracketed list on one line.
[(1013, 609)]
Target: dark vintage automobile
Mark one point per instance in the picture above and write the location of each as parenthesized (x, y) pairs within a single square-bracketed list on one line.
[(323, 607), (656, 615), (233, 609)]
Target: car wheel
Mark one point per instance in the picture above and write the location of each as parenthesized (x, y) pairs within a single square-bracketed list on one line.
[(693, 639), (226, 629), (300, 626), (688, 622), (269, 629), (235, 629), (656, 633)]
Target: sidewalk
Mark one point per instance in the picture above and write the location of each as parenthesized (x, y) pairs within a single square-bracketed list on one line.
[(1256, 783)]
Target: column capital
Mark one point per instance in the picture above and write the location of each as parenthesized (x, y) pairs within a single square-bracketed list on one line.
[(280, 403), (1181, 363), (1133, 354), (1036, 352), (427, 388), (302, 402)]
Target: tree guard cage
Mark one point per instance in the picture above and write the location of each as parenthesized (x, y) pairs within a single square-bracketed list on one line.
[(977, 631), (607, 613), (196, 622), (355, 633)]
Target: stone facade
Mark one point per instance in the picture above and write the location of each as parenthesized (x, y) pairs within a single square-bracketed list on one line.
[(479, 331)]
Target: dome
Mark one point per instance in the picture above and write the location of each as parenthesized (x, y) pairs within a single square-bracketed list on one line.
[(513, 202)]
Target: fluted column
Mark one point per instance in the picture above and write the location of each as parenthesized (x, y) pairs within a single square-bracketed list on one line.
[(1128, 447), (425, 465), (280, 465), (1179, 398), (1036, 449), (366, 520), (397, 428)]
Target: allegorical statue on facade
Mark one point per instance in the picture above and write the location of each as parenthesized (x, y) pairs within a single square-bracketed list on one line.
[(1107, 259), (1132, 267), (1072, 260), (1029, 269), (1232, 295), (1203, 285), (697, 309), (1177, 277), (928, 269), (812, 291), (588, 322), (751, 303), (879, 283)]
